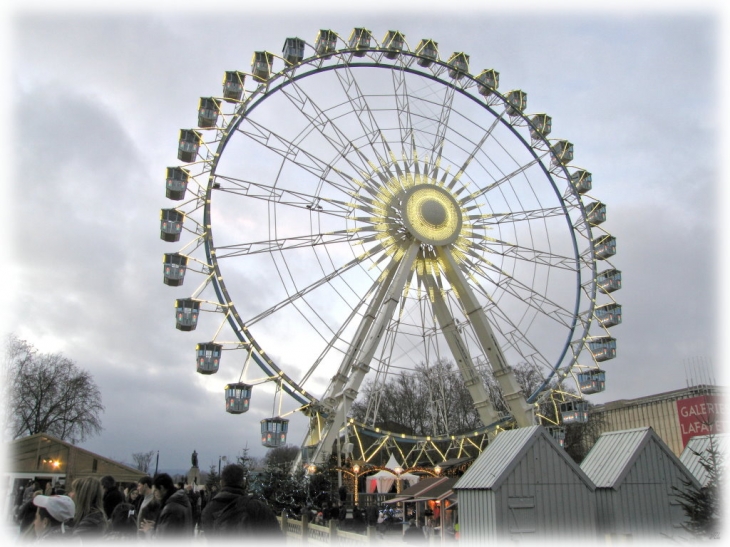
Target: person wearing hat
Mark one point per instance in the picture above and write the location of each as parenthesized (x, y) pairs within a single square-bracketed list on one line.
[(52, 513)]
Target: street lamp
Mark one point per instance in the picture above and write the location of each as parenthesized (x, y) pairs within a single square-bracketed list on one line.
[(355, 476), (398, 470)]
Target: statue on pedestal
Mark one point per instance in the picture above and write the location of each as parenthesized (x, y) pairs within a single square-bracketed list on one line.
[(195, 459)]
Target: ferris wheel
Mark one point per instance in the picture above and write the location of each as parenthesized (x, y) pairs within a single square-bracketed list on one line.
[(356, 210)]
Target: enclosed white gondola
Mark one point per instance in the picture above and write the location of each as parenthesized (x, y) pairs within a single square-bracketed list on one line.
[(542, 125), (488, 81), (574, 412), (171, 224), (592, 381), (582, 180), (186, 313), (261, 65), (208, 111), (562, 152), (459, 65), (176, 183), (608, 281), (326, 42), (609, 315), (516, 102), (208, 357), (233, 82), (238, 397), (557, 432), (293, 50), (174, 268), (428, 50), (273, 431), (603, 348), (394, 42), (188, 145), (596, 212), (604, 246), (359, 41)]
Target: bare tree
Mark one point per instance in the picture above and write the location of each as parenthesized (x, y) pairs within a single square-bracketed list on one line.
[(430, 400), (143, 460), (49, 393)]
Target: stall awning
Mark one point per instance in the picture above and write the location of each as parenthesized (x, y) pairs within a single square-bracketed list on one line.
[(440, 491), (399, 499), (419, 490)]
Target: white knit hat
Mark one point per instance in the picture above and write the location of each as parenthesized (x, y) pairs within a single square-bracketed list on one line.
[(59, 507)]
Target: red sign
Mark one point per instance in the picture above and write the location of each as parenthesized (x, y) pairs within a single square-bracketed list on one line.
[(701, 415)]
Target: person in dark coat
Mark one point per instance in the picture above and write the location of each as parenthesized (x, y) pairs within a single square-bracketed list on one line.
[(413, 535), (176, 517), (112, 495), (122, 523), (149, 513), (232, 511)]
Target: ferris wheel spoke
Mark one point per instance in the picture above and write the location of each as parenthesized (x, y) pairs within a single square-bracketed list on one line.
[(497, 183), (367, 120), (522, 292), (476, 148), (522, 344), (287, 243), (282, 196), (442, 122), (402, 106), (298, 156), (319, 120), (332, 345), (527, 254), (301, 293), (379, 289), (515, 331), (495, 219)]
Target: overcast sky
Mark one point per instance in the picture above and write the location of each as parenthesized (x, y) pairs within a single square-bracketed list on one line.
[(95, 99)]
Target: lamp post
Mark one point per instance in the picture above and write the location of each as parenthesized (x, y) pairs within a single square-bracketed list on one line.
[(355, 476), (398, 470)]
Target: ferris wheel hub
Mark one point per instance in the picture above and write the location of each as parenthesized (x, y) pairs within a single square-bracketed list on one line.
[(431, 214)]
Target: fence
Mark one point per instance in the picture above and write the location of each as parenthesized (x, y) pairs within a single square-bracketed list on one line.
[(314, 534)]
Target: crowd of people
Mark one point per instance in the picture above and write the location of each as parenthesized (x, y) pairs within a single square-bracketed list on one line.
[(154, 509)]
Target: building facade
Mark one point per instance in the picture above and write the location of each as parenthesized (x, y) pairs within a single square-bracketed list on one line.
[(676, 416), (45, 458)]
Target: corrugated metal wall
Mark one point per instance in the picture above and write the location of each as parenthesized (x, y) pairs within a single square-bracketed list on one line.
[(644, 504), (543, 497), (477, 516)]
